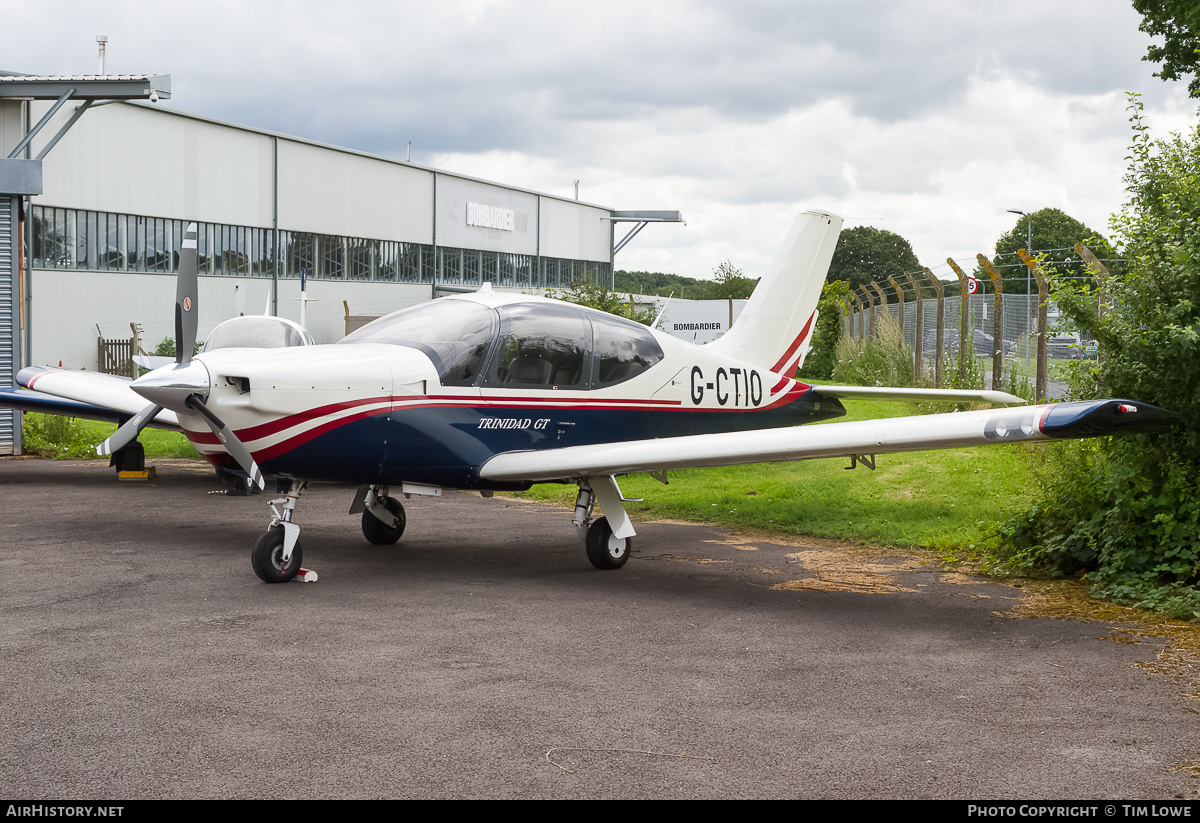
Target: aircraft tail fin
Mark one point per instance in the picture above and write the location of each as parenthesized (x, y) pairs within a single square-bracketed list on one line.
[(777, 324)]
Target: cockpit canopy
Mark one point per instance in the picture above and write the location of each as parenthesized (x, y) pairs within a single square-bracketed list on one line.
[(540, 345), (257, 332)]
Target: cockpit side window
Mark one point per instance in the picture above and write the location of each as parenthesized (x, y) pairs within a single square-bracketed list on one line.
[(623, 349), (541, 346), (455, 334)]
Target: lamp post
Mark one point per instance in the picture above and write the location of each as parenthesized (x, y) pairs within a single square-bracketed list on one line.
[(1028, 248)]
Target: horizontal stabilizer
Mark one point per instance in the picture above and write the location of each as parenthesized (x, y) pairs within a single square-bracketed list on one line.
[(891, 393), (152, 361)]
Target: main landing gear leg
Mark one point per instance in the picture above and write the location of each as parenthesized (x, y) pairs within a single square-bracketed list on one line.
[(609, 539), (277, 554), (383, 518)]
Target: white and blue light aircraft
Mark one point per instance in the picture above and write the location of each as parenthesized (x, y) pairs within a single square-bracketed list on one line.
[(494, 392)]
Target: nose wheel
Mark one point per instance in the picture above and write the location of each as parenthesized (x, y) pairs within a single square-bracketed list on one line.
[(268, 557), (277, 555)]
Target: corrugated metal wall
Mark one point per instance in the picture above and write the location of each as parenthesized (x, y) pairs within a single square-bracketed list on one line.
[(10, 421)]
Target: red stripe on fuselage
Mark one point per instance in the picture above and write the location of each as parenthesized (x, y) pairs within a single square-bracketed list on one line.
[(269, 428), (253, 433)]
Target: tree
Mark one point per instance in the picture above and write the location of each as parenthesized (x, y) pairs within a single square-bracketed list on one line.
[(587, 293), (1127, 509), (657, 283), (820, 361), (1052, 230), (728, 281), (865, 255), (1178, 22)]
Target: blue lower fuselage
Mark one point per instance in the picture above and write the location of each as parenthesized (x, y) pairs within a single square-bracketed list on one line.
[(445, 445)]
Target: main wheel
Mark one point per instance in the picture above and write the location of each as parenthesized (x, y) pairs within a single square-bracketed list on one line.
[(378, 532), (603, 549), (267, 558)]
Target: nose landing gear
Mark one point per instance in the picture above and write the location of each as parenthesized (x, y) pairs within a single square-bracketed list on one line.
[(277, 554)]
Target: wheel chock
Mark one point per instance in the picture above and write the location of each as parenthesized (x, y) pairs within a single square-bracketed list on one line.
[(305, 576)]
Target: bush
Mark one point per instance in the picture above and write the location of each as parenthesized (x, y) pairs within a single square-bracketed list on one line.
[(60, 438), (818, 363), (1126, 511), (884, 361)]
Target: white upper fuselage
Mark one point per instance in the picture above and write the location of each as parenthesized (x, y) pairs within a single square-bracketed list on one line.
[(541, 374)]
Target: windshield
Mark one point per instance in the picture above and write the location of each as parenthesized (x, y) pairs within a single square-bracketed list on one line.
[(454, 334)]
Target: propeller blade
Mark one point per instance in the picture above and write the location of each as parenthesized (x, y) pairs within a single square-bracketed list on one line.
[(129, 430), (229, 440), (186, 281)]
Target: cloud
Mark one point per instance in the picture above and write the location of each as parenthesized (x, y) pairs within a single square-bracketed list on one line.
[(925, 118)]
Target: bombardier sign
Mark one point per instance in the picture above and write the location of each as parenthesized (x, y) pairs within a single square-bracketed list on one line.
[(475, 215), (490, 217), (698, 321)]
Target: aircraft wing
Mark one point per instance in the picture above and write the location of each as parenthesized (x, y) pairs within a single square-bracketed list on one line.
[(898, 434), (89, 395)]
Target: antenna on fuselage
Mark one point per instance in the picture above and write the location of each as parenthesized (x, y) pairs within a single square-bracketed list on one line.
[(662, 311)]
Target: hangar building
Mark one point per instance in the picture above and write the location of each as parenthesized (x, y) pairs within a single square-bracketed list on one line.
[(90, 248)]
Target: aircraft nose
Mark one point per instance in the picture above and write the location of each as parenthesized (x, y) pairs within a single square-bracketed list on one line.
[(170, 386)]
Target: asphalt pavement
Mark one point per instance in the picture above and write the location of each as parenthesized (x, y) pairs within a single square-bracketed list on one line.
[(483, 657)]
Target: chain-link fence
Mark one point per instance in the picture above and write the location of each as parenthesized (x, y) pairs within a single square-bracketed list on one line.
[(1018, 335), (1018, 320)]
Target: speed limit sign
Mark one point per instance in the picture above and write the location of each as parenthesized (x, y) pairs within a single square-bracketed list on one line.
[(972, 285)]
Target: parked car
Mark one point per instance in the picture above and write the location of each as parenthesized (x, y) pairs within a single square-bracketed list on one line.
[(983, 343), (1070, 346)]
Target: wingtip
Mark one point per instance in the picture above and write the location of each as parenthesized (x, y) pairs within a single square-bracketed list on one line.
[(1003, 398)]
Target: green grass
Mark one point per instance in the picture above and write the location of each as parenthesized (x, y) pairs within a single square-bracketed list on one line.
[(67, 437), (943, 499)]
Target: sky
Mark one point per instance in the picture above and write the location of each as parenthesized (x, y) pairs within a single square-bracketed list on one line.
[(926, 118)]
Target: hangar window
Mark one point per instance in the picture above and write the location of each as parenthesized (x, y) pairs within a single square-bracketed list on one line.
[(410, 262), (359, 257), (100, 241), (450, 261), (333, 258), (262, 263), (232, 248)]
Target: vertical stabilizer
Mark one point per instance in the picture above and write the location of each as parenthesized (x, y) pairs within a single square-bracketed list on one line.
[(777, 324)]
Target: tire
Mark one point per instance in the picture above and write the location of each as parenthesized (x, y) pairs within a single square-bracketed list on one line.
[(605, 551), (378, 532), (266, 558)]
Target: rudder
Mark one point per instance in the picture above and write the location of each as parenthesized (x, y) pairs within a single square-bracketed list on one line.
[(775, 327)]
